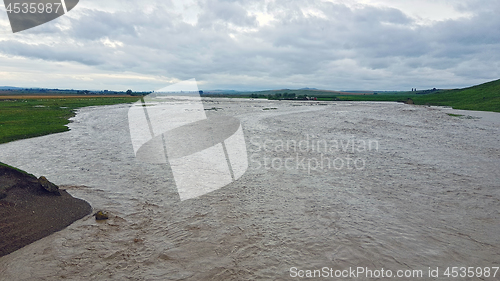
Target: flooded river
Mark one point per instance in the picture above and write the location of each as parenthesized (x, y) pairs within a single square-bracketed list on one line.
[(330, 186)]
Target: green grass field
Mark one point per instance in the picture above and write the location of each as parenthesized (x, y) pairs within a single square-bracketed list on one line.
[(22, 118)]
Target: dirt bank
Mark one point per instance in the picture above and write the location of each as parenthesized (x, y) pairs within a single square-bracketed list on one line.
[(28, 212)]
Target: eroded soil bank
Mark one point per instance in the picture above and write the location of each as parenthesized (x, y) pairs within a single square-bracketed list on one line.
[(29, 212)]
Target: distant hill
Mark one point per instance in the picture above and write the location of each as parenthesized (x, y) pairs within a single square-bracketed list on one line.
[(9, 88), (221, 92), (484, 97), (307, 92)]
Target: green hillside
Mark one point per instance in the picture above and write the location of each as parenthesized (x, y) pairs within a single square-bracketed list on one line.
[(484, 97)]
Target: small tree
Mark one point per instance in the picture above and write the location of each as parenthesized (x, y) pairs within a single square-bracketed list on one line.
[(129, 92)]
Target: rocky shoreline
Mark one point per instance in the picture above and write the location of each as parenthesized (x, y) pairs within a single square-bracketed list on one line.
[(32, 208)]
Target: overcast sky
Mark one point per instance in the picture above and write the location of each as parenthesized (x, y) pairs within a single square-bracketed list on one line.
[(253, 45)]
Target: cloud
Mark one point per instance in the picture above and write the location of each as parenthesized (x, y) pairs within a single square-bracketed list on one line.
[(308, 43), (225, 12)]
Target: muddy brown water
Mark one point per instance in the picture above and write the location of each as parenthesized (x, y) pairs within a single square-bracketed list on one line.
[(419, 189)]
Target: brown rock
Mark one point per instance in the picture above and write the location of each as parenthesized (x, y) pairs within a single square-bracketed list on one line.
[(100, 215), (47, 185)]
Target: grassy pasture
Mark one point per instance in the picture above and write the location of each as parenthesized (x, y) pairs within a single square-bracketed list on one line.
[(30, 116)]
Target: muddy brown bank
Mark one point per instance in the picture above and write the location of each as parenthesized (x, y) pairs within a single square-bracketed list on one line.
[(32, 208)]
